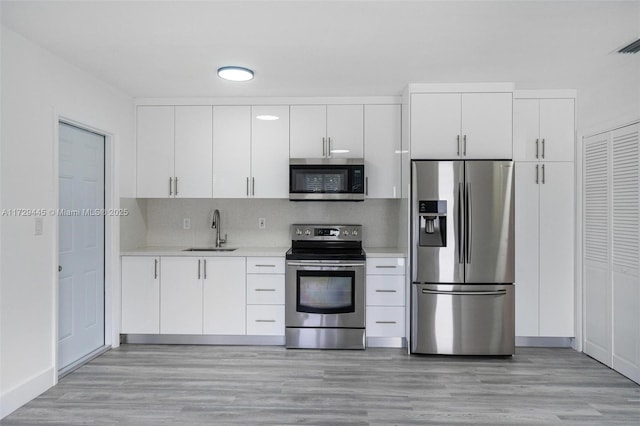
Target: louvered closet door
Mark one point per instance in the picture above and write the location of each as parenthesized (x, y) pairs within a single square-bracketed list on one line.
[(597, 295), (624, 255)]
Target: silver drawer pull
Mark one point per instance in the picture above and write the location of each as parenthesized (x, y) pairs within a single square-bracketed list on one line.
[(265, 289), (386, 322), (385, 291), (386, 266), (265, 320), (265, 266)]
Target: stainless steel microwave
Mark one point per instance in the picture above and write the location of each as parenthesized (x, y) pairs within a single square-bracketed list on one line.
[(328, 179)]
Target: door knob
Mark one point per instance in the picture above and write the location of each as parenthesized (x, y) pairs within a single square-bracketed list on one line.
[(59, 268)]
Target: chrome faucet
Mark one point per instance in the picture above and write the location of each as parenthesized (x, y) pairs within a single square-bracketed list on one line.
[(216, 223)]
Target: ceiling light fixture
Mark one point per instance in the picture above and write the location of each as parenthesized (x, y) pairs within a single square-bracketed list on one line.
[(267, 117), (235, 73)]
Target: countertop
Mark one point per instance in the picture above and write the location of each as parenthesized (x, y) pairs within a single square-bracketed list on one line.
[(246, 252), (385, 252)]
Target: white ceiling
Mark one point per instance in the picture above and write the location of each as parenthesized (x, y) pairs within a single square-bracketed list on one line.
[(325, 48)]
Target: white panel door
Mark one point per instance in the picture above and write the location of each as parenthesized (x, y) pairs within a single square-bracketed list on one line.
[(193, 151), (231, 151), (181, 295), (225, 295), (527, 247), (345, 131), (308, 131), (270, 152), (597, 318), (557, 249), (625, 323), (526, 129), (382, 140), (487, 125), (81, 244), (140, 294), (435, 125), (557, 129), (155, 154)]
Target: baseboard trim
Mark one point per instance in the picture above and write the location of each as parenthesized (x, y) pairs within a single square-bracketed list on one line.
[(545, 342), (18, 396), (194, 339)]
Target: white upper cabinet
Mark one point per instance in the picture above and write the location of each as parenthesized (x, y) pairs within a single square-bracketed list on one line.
[(193, 151), (155, 143), (270, 151), (382, 139), (461, 125), (231, 151), (174, 151), (543, 129), (327, 131)]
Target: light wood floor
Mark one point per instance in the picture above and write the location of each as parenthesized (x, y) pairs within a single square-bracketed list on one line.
[(203, 385)]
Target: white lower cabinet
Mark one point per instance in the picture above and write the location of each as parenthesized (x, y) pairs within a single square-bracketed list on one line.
[(385, 298), (265, 296), (181, 295), (140, 294), (224, 295)]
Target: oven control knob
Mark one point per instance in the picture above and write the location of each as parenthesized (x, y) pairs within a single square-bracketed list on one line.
[(345, 232), (298, 231), (354, 232), (307, 232)]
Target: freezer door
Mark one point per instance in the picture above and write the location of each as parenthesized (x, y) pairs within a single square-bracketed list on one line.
[(489, 243), (437, 254), (451, 319)]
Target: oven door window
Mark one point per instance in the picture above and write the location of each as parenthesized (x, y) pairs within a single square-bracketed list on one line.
[(306, 180), (325, 292)]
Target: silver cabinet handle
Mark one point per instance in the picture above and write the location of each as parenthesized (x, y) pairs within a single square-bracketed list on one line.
[(366, 185), (324, 147), (198, 268), (543, 174), (386, 291), (170, 186), (329, 147), (253, 186), (386, 322), (537, 174), (265, 266), (155, 269), (265, 320), (386, 266), (465, 293), (176, 186), (537, 142), (464, 145), (458, 140), (247, 186), (265, 289), (543, 150), (205, 268)]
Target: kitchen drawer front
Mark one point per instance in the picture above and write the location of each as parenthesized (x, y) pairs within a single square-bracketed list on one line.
[(265, 289), (385, 290), (386, 266), (385, 321), (265, 320), (265, 265)]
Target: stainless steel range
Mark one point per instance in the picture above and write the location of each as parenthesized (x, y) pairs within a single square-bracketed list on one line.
[(325, 287)]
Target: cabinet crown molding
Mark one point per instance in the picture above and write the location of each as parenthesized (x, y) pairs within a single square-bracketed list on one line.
[(460, 87)]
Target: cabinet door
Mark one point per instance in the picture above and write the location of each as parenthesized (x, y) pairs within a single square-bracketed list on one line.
[(526, 129), (270, 152), (382, 139), (193, 151), (154, 158), (345, 131), (556, 250), (557, 129), (308, 131), (231, 151), (487, 122), (224, 295), (527, 178), (140, 295), (181, 295), (435, 125)]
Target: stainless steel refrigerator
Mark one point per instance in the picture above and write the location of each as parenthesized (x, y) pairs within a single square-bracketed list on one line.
[(462, 256)]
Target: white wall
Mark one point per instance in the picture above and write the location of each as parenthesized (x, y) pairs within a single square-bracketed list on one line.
[(34, 85)]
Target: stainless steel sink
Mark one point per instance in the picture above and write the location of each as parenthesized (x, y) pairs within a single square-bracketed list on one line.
[(210, 249)]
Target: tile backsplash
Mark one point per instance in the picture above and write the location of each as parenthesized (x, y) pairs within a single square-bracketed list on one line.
[(164, 221)]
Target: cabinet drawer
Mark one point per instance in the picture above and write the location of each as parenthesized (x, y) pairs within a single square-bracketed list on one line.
[(386, 266), (385, 321), (265, 265), (385, 290), (265, 320), (265, 289)]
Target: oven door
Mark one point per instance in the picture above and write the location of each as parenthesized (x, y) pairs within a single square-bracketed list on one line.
[(325, 294)]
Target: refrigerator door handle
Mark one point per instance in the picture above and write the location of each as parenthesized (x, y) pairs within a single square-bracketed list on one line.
[(467, 222), (465, 293), (460, 226)]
